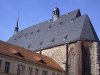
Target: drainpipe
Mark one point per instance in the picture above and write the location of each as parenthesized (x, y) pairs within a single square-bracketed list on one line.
[(66, 59)]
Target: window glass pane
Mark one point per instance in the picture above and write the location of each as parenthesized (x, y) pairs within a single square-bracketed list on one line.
[(0, 65), (44, 73), (36, 71), (7, 67), (30, 70), (53, 73), (20, 70)]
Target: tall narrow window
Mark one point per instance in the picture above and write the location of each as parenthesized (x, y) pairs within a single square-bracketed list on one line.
[(71, 62), (30, 70), (20, 70), (36, 71), (0, 65), (53, 73), (7, 67), (44, 73)]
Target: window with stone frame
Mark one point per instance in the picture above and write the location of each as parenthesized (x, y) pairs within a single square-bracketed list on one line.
[(58, 74), (30, 71), (71, 62), (53, 73), (21, 70), (0, 64), (36, 72), (7, 67), (44, 72)]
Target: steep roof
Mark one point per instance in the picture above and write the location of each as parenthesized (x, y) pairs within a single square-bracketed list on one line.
[(68, 28), (27, 55)]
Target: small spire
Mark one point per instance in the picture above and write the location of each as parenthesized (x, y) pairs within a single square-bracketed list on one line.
[(17, 28)]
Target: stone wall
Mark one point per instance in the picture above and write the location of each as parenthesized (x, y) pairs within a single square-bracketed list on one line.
[(92, 49), (57, 53), (86, 53)]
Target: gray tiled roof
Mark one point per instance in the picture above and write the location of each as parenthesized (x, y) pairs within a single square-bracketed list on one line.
[(68, 28)]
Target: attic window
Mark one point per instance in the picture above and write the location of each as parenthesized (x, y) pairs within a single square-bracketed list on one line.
[(20, 36), (42, 61), (38, 30), (65, 38), (53, 40), (41, 43), (25, 34), (29, 46), (72, 20), (49, 27), (18, 54), (60, 23), (31, 33), (15, 38)]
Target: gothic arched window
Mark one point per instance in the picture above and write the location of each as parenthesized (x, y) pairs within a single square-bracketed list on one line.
[(71, 62)]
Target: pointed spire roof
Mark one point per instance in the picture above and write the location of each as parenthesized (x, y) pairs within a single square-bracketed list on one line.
[(16, 28)]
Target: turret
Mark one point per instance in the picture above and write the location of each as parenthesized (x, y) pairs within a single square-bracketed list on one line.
[(55, 13)]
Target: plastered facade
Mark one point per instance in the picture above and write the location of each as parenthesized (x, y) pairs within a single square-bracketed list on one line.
[(14, 67)]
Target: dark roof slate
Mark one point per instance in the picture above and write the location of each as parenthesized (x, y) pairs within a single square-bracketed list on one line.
[(68, 28)]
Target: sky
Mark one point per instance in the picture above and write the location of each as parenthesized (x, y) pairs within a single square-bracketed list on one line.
[(32, 12)]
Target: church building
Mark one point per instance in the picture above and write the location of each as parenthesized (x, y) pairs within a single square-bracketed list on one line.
[(69, 39)]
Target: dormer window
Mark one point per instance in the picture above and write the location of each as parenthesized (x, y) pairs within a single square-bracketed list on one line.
[(60, 23), (53, 40), (18, 54), (38, 30), (49, 27), (72, 20), (41, 43), (31, 33), (65, 38), (15, 38), (26, 34), (29, 45), (42, 61), (20, 36)]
